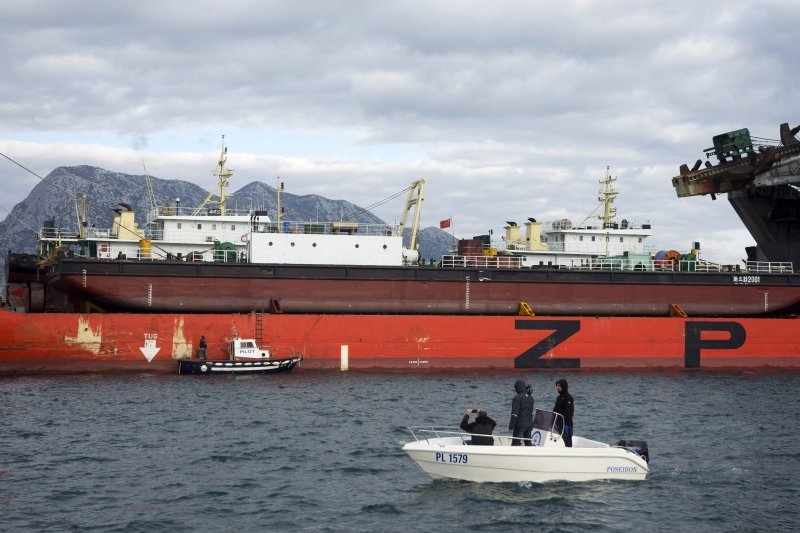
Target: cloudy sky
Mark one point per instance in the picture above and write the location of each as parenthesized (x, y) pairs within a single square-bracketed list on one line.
[(508, 109)]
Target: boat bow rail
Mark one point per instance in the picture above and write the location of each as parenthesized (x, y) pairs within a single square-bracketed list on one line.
[(425, 434)]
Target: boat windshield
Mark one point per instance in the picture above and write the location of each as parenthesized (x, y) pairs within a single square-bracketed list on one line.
[(548, 421)]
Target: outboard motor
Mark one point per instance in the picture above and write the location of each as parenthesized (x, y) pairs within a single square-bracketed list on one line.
[(639, 447)]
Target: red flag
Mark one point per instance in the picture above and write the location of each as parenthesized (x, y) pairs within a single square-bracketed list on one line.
[(444, 223)]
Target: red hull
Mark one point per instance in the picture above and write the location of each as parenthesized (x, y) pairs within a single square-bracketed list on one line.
[(75, 343), (133, 286)]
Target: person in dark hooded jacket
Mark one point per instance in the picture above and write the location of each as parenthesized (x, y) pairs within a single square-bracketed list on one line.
[(483, 425), (521, 422), (565, 406)]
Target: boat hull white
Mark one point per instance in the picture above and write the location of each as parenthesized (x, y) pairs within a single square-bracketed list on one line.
[(449, 458)]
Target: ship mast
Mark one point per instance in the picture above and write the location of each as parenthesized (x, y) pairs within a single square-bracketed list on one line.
[(607, 195), (223, 174), (606, 198)]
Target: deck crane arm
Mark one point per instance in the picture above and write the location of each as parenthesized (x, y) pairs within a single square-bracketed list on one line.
[(414, 200), (151, 196)]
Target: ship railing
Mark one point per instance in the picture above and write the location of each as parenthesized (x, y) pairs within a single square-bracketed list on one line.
[(466, 261), (50, 233), (685, 265), (637, 264), (566, 225), (109, 251), (769, 267), (428, 433), (179, 210), (98, 233), (324, 228), (425, 433), (587, 248)]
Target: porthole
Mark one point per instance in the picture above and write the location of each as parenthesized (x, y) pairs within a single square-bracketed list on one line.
[(384, 246), (292, 244), (314, 245), (356, 246), (270, 243)]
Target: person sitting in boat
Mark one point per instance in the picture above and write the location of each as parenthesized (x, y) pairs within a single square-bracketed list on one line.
[(482, 425)]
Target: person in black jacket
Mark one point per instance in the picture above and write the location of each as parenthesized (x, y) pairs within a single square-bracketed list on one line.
[(521, 422), (483, 425), (565, 406), (202, 347)]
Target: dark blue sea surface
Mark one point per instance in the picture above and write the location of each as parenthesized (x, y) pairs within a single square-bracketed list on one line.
[(322, 452)]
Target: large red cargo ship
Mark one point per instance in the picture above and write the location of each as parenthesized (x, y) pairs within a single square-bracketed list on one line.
[(363, 306)]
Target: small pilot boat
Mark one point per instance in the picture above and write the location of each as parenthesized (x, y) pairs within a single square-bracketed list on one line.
[(245, 357), (448, 453)]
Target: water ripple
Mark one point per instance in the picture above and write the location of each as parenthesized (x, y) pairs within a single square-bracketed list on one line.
[(321, 452)]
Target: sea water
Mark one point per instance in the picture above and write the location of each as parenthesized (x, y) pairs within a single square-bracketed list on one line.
[(319, 451)]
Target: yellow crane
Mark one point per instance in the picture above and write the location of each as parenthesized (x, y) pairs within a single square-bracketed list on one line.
[(414, 200)]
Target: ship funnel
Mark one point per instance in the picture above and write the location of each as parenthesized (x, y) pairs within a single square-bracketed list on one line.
[(533, 232), (512, 233)]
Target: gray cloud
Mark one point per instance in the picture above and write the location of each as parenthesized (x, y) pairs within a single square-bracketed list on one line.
[(507, 106)]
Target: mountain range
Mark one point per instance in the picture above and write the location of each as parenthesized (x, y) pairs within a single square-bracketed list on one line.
[(58, 197)]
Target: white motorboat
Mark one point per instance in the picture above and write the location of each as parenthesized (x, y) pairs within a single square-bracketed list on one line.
[(448, 453)]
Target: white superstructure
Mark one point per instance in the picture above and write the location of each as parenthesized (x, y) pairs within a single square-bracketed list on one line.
[(211, 232), (564, 245), (208, 232), (333, 243)]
